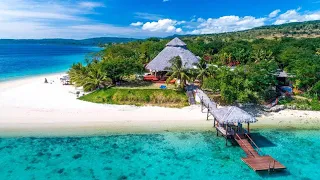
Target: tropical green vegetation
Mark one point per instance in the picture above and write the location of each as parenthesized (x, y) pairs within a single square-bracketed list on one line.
[(257, 54), (178, 71), (153, 97), (103, 73), (301, 103)]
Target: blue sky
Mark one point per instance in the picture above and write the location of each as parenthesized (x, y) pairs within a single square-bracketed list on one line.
[(80, 19)]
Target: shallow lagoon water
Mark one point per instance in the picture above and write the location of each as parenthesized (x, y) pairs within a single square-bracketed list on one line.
[(169, 155)]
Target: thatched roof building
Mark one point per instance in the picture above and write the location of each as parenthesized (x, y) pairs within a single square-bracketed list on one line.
[(232, 114), (174, 48), (226, 115)]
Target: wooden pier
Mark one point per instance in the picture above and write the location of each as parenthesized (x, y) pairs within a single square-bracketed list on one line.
[(191, 98), (228, 124), (254, 159)]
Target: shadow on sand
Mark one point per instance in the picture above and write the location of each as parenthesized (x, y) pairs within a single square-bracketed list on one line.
[(255, 111)]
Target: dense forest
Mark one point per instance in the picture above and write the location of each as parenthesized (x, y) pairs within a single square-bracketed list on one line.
[(309, 29), (256, 60)]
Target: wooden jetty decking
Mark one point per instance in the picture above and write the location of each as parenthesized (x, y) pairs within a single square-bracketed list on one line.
[(247, 148), (254, 160), (263, 163)]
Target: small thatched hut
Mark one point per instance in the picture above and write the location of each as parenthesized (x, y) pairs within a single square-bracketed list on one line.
[(158, 66), (283, 78)]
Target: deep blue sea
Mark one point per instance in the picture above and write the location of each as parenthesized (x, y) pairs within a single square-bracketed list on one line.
[(23, 60), (168, 155)]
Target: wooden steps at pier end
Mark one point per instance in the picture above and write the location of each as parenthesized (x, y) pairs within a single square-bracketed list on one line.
[(263, 163), (254, 160)]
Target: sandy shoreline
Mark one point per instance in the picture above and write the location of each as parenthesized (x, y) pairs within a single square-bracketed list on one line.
[(28, 107)]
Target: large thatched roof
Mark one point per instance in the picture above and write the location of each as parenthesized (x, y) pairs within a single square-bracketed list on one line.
[(174, 48), (176, 42), (226, 115)]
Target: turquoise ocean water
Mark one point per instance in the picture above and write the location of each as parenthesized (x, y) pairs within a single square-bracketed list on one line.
[(24, 60), (169, 155)]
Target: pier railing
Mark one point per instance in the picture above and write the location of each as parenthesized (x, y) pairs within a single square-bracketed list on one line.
[(205, 100), (252, 142), (238, 137)]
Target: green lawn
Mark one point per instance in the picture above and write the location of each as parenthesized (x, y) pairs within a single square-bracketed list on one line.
[(138, 97)]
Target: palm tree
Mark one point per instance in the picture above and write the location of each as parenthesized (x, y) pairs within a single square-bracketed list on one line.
[(202, 71), (96, 78), (77, 73), (262, 55), (213, 70), (178, 71), (239, 55), (91, 77)]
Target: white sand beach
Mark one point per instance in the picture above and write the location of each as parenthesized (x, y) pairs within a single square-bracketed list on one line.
[(31, 107)]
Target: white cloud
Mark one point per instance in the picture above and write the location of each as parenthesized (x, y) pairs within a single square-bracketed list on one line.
[(178, 30), (90, 5), (279, 21), (148, 16), (137, 24), (34, 11), (294, 15), (181, 22), (165, 0), (53, 19), (201, 20), (23, 14), (227, 24), (69, 19), (274, 13), (163, 25)]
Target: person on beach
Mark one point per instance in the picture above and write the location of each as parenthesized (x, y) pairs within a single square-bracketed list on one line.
[(45, 80)]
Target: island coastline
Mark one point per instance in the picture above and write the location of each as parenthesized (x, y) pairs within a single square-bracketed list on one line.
[(29, 107)]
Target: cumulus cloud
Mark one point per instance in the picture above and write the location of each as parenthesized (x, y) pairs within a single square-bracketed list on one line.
[(163, 25), (137, 24), (227, 24), (294, 15), (178, 30), (274, 13)]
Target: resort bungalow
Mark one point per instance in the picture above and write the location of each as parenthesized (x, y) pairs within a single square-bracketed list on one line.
[(284, 83), (158, 67), (283, 78)]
